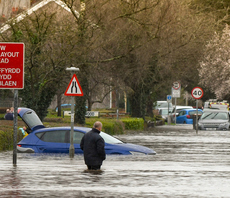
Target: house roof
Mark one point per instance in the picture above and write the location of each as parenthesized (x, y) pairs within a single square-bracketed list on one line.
[(22, 15)]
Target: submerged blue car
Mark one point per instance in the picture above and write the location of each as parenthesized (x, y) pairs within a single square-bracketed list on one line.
[(185, 116), (57, 139)]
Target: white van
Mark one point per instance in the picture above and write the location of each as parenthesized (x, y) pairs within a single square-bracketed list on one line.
[(162, 104)]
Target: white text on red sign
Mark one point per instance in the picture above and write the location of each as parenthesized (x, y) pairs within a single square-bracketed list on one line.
[(11, 65)]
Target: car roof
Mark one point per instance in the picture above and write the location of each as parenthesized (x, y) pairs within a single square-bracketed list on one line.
[(191, 109), (216, 111), (83, 129), (165, 108), (184, 107)]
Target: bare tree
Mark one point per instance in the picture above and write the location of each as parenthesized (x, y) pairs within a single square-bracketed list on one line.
[(214, 66)]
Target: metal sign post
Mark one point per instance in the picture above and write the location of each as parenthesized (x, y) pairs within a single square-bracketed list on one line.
[(175, 112), (12, 77), (176, 94), (73, 89), (71, 148), (15, 127), (169, 99), (197, 93)]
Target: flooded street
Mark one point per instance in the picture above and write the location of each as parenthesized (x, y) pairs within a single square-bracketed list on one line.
[(186, 165)]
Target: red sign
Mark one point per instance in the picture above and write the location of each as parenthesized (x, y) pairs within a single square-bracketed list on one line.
[(197, 93), (74, 87), (11, 65), (176, 85)]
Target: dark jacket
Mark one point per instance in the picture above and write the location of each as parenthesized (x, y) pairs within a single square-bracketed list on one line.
[(9, 116), (93, 146)]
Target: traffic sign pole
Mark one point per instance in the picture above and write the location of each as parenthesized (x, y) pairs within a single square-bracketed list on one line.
[(197, 93), (175, 111), (196, 116), (176, 88), (15, 127), (169, 99), (12, 77), (73, 89)]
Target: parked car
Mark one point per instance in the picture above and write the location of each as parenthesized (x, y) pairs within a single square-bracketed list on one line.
[(57, 139), (185, 116), (176, 111), (214, 120), (164, 113)]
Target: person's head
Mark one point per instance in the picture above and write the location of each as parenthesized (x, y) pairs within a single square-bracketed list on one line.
[(11, 109), (98, 125), (8, 110)]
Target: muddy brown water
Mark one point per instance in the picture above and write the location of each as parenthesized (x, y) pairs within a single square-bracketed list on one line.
[(186, 165)]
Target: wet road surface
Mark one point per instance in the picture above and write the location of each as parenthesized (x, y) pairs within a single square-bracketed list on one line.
[(186, 165)]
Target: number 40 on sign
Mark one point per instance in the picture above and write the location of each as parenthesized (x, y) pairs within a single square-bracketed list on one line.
[(197, 93)]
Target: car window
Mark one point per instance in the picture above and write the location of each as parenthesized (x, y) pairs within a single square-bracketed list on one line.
[(221, 116), (110, 139), (77, 136), (215, 115), (39, 135), (54, 136), (181, 113), (164, 111), (194, 112)]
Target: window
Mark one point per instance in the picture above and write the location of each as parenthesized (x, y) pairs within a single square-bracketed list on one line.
[(77, 136), (110, 139), (54, 136), (39, 135), (194, 112)]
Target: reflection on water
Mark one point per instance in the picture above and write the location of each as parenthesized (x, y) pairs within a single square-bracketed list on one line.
[(186, 165)]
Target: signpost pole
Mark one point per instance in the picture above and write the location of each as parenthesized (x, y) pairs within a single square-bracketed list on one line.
[(175, 111), (197, 93), (196, 116), (168, 113), (72, 90), (176, 94), (12, 77), (15, 127), (71, 148), (169, 100)]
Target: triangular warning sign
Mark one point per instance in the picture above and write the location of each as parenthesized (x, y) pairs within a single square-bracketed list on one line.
[(74, 87)]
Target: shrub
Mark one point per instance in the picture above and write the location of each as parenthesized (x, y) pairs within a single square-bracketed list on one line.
[(133, 123), (110, 126), (7, 139), (53, 119)]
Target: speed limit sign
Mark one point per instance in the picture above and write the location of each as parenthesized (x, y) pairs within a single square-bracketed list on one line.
[(197, 93)]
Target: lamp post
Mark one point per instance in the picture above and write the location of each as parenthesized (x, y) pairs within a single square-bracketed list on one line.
[(71, 148)]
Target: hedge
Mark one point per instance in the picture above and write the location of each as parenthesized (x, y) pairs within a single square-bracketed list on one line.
[(133, 123), (7, 139), (113, 126)]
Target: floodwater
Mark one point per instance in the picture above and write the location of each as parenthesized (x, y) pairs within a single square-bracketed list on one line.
[(186, 165)]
